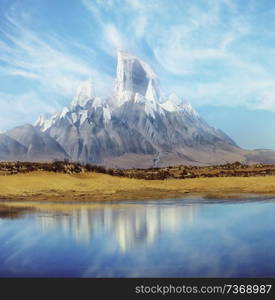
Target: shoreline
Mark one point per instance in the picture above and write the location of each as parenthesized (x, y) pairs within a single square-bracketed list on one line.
[(94, 187)]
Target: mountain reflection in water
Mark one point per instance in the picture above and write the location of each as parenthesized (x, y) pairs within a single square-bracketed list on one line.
[(162, 238), (131, 225)]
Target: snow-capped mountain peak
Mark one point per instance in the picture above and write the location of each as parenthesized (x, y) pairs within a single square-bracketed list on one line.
[(125, 59), (134, 76), (64, 112), (176, 104), (188, 108), (169, 106), (136, 81), (84, 93), (135, 123), (46, 121), (174, 98)]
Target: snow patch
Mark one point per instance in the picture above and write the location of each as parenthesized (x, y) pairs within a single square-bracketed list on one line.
[(45, 123), (106, 114), (151, 93), (64, 112), (83, 116), (169, 106), (74, 117), (150, 105)]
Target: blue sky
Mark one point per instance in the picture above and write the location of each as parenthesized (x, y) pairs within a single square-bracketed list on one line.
[(218, 54)]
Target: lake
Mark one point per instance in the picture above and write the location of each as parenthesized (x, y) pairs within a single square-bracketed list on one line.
[(164, 238)]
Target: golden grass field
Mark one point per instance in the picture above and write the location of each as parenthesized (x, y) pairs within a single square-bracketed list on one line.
[(99, 187)]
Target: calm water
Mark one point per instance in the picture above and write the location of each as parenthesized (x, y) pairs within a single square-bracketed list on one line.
[(171, 238)]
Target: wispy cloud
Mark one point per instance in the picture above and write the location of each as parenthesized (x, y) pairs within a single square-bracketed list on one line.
[(114, 38), (23, 108), (204, 49), (46, 59)]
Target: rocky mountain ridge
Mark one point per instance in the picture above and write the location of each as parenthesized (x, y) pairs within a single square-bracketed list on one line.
[(138, 126)]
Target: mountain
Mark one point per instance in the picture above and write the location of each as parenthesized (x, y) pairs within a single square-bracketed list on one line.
[(28, 143), (137, 126), (10, 149)]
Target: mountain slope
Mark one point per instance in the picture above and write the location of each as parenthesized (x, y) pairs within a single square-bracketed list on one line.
[(10, 149), (37, 145)]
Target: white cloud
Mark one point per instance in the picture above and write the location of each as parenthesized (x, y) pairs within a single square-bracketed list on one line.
[(18, 72), (114, 37), (22, 108), (46, 60), (267, 101)]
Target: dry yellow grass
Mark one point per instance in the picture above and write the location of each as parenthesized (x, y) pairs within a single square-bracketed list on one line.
[(95, 187)]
